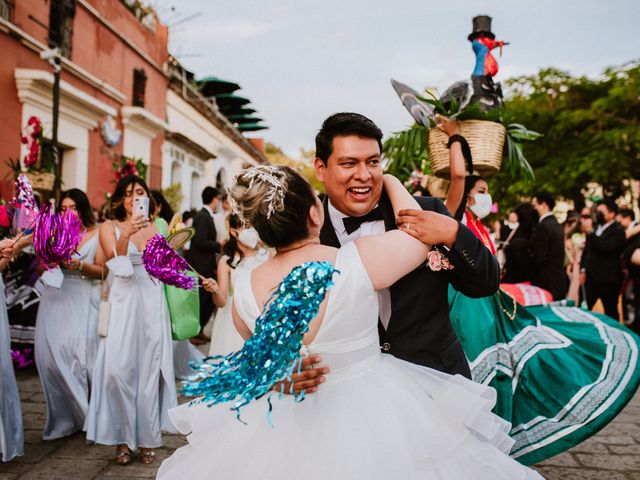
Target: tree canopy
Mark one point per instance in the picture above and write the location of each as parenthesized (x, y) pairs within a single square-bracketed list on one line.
[(303, 164), (589, 127), (590, 133)]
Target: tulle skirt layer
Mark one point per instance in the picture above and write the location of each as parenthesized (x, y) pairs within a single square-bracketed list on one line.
[(378, 419)]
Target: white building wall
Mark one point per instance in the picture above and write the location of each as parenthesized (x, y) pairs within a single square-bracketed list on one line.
[(79, 114), (186, 120)]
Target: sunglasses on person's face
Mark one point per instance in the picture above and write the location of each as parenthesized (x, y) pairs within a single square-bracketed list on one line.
[(585, 216)]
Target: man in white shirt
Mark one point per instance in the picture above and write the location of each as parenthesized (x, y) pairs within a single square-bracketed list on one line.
[(202, 253), (414, 312), (548, 248), (601, 260)]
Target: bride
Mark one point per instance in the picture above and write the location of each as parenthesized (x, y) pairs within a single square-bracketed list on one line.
[(375, 417)]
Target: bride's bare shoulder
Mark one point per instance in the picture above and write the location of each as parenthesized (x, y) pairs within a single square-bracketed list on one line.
[(280, 264)]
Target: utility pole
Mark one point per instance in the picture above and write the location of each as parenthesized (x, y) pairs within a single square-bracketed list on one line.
[(55, 150), (52, 55)]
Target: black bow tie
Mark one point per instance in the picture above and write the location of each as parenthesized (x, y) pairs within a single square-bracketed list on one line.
[(351, 224)]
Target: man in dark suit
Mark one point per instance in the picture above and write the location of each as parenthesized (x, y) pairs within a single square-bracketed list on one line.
[(601, 260), (202, 252), (630, 303), (548, 248), (414, 322)]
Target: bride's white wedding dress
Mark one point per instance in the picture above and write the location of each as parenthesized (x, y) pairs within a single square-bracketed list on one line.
[(375, 417)]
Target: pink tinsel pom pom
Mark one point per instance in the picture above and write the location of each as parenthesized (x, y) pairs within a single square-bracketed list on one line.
[(164, 263), (24, 201), (24, 197), (56, 236)]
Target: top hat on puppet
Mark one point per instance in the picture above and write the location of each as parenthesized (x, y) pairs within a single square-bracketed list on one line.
[(481, 28)]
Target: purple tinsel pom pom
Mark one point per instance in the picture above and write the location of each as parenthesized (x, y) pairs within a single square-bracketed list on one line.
[(164, 263), (22, 357), (56, 236)]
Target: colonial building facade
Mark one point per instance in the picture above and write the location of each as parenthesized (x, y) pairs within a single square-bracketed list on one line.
[(118, 96), (202, 147)]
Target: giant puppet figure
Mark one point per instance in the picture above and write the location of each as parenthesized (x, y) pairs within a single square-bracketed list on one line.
[(481, 89), (485, 91)]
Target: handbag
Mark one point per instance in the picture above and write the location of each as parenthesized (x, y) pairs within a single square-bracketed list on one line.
[(105, 307), (184, 310), (183, 305)]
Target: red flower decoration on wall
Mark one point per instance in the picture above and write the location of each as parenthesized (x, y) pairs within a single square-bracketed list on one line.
[(30, 136), (129, 168)]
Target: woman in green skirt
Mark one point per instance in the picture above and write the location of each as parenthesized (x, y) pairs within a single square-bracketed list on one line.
[(562, 373)]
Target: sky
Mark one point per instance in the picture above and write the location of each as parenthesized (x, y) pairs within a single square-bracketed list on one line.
[(299, 61)]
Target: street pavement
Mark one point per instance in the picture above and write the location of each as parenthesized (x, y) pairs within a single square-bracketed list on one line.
[(612, 454)]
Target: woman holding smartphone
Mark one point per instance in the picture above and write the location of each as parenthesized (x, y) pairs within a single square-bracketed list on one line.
[(133, 378)]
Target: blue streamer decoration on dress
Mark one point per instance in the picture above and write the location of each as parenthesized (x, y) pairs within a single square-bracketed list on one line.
[(271, 354)]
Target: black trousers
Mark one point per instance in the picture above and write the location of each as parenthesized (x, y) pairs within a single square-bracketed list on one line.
[(635, 326), (207, 307), (608, 292)]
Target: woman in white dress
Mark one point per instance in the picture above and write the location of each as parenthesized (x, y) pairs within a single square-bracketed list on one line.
[(375, 416), (241, 255), (11, 433), (133, 379), (65, 337)]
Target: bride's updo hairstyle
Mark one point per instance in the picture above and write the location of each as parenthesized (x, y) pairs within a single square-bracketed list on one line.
[(275, 200)]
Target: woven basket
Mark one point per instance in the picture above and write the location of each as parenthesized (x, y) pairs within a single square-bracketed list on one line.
[(41, 180), (486, 140)]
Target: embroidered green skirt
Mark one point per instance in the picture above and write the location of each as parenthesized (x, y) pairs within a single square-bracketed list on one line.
[(561, 372)]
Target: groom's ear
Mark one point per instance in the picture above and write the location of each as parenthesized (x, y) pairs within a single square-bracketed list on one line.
[(320, 168)]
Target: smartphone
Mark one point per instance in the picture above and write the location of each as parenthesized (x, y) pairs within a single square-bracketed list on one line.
[(141, 206)]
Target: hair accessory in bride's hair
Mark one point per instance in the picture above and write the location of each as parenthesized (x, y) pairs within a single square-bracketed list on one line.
[(271, 354), (274, 198)]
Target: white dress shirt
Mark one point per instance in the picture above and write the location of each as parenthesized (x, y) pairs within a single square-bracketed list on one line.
[(602, 228), (365, 230), (220, 222), (206, 207), (548, 214)]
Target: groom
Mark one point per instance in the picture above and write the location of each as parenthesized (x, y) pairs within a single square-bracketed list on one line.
[(414, 322)]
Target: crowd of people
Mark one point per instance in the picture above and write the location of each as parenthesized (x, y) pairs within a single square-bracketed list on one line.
[(112, 371), (420, 338), (586, 259)]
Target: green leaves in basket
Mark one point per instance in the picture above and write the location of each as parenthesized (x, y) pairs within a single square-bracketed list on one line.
[(513, 156), (405, 151), (474, 111)]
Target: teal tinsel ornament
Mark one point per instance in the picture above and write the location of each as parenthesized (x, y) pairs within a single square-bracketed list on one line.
[(271, 354)]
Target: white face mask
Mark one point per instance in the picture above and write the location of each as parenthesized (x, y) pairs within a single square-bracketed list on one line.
[(511, 225), (249, 237), (482, 207)]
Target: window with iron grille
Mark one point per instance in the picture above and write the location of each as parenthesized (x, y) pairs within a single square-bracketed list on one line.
[(6, 9), (61, 16), (139, 85)]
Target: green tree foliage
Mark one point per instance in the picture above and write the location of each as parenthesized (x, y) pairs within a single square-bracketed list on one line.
[(590, 133), (174, 196), (405, 151)]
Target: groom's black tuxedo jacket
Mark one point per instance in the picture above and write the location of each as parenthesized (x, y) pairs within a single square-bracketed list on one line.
[(420, 330)]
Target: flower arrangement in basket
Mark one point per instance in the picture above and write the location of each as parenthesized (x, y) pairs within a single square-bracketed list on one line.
[(38, 164), (129, 166), (478, 106)]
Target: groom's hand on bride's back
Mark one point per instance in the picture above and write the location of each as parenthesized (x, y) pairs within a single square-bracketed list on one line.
[(308, 378)]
